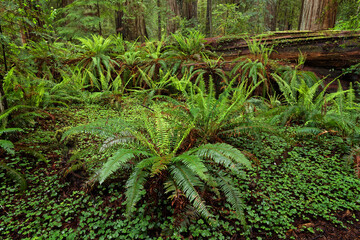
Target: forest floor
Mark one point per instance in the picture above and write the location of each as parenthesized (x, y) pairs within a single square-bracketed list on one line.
[(300, 190)]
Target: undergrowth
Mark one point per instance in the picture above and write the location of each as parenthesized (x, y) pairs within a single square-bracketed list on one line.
[(293, 182)]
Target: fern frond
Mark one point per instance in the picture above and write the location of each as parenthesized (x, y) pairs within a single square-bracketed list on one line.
[(233, 196), (119, 138), (7, 146), (194, 163), (308, 130), (115, 162), (18, 177), (103, 128), (223, 154), (187, 181), (135, 188), (12, 109), (9, 130)]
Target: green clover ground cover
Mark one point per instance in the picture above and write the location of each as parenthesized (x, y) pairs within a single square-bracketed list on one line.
[(297, 181)]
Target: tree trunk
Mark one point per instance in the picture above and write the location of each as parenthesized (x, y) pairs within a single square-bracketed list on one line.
[(99, 16), (159, 19), (271, 16), (208, 25), (134, 26), (318, 14), (189, 11), (3, 102), (174, 8), (119, 22)]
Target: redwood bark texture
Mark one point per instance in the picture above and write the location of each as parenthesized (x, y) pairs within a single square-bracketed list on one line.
[(318, 14)]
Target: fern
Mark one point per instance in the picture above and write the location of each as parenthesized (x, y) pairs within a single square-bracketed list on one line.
[(195, 164), (233, 196), (223, 154), (135, 186), (114, 163), (153, 148), (18, 177), (187, 181)]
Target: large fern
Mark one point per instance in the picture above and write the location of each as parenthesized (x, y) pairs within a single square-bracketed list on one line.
[(154, 149)]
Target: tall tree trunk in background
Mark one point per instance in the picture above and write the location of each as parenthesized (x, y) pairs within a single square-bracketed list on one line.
[(158, 3), (133, 27), (208, 25), (3, 102), (34, 14), (119, 22), (318, 14), (189, 11), (64, 3), (174, 8), (99, 16), (271, 15)]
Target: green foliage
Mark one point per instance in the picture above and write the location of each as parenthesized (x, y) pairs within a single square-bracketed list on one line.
[(312, 107), (295, 75), (15, 175), (304, 180), (229, 20), (187, 47), (8, 146), (96, 59), (255, 69), (152, 150), (215, 115), (81, 18), (349, 14)]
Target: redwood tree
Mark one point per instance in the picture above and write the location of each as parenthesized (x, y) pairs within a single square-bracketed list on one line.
[(318, 14), (132, 22)]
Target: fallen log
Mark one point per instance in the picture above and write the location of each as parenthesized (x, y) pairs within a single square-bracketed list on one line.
[(327, 52), (329, 49)]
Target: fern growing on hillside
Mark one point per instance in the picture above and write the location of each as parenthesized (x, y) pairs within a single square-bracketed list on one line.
[(154, 149)]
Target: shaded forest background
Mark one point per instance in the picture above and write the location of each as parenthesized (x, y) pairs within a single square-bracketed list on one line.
[(150, 19)]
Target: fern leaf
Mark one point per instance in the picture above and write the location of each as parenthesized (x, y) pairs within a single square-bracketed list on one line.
[(9, 130), (187, 181), (18, 177), (223, 154), (194, 163), (7, 146), (308, 130), (103, 128), (115, 162), (135, 187), (233, 196), (119, 138)]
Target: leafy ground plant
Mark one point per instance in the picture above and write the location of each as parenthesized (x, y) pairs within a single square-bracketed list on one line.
[(156, 159)]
